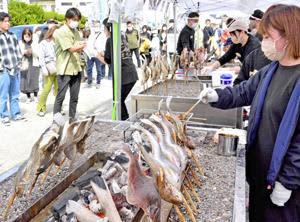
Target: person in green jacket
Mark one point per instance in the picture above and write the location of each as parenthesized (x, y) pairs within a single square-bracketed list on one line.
[(132, 37)]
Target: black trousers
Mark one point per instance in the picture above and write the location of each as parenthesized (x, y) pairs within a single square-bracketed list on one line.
[(65, 81), (137, 55), (261, 208), (125, 90)]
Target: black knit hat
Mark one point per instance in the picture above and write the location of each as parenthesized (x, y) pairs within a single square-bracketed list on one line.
[(257, 14)]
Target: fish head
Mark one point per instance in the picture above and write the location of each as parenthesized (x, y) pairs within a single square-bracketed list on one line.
[(155, 118)]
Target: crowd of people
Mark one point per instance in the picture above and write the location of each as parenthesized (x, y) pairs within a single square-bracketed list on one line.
[(65, 55)]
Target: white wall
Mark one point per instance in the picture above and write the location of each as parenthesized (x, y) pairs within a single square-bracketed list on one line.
[(3, 6)]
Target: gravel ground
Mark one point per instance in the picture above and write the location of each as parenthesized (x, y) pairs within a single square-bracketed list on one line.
[(217, 186), (216, 191), (191, 89), (100, 140)]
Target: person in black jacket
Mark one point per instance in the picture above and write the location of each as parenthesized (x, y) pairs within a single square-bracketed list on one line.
[(128, 71), (253, 62), (187, 35), (207, 33), (243, 44), (273, 137), (255, 19)]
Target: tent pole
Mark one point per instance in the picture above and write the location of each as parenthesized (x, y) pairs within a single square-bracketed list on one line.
[(175, 24), (117, 70)]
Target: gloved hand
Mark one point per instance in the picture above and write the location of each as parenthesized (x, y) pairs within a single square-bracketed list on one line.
[(280, 194), (209, 95)]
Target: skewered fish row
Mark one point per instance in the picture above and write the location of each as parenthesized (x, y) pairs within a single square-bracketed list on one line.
[(44, 153)]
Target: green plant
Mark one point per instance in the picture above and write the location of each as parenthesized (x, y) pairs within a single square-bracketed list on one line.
[(25, 14)]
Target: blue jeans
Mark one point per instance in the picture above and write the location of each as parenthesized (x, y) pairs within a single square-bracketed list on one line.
[(100, 69), (9, 87), (109, 74)]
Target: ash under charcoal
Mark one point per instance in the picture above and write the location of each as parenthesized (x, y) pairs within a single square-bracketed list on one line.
[(100, 140), (217, 185), (178, 89), (115, 175)]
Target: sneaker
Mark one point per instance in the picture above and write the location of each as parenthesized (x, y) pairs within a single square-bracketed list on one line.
[(5, 121), (87, 85), (19, 118), (28, 100), (41, 114), (98, 86)]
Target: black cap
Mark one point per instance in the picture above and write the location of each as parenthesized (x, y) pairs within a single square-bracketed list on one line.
[(171, 21), (51, 20), (257, 14)]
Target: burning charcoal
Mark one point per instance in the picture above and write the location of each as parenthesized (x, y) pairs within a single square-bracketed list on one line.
[(123, 179), (63, 218), (124, 190), (96, 207), (58, 209), (82, 213), (126, 214), (85, 179), (121, 159), (110, 173), (119, 168), (87, 197), (106, 166), (71, 217), (115, 187)]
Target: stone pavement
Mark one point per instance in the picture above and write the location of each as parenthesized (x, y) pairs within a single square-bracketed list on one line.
[(17, 139)]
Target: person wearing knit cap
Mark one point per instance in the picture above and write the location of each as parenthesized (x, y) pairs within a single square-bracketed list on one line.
[(255, 19), (243, 44)]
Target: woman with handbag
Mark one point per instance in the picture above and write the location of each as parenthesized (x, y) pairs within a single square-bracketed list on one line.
[(47, 59), (30, 65)]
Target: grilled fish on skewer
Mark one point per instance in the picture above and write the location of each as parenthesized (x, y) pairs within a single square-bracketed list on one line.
[(145, 74), (169, 154), (141, 190), (171, 168), (26, 174), (177, 149), (167, 191)]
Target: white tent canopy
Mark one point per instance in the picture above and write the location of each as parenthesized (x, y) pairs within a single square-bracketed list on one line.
[(245, 6)]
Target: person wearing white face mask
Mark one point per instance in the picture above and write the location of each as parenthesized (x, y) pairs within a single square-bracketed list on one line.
[(273, 139), (163, 39), (30, 70), (186, 37), (243, 44), (133, 39), (68, 63)]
